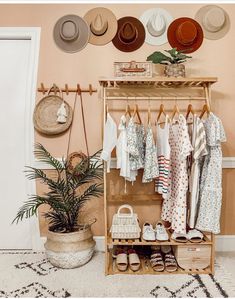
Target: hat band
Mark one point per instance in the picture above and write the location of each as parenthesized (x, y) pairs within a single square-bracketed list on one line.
[(69, 38)]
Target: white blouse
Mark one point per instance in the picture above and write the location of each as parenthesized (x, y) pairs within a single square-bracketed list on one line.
[(110, 140)]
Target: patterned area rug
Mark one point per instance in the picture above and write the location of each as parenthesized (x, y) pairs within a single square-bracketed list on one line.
[(29, 274)]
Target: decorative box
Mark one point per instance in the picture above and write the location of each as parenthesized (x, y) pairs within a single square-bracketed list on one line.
[(133, 69)]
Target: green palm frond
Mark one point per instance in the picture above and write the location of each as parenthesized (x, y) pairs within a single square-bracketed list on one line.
[(44, 156)]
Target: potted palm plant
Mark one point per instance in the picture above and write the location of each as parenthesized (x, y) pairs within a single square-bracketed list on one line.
[(69, 243), (173, 62)]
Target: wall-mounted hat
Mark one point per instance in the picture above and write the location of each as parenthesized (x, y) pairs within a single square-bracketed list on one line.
[(130, 34), (71, 33), (214, 21), (185, 34), (156, 22), (103, 25)]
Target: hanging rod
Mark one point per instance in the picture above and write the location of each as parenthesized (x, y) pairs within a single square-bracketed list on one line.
[(66, 89), (156, 98)]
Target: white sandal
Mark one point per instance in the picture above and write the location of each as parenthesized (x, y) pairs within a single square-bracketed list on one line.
[(134, 260), (195, 236), (121, 261)]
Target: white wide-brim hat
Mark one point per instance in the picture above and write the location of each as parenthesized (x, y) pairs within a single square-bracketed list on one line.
[(156, 22), (214, 21)]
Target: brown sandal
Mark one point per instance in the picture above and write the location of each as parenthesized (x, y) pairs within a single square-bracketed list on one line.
[(170, 262), (156, 261)]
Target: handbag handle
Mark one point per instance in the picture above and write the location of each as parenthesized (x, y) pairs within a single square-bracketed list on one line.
[(54, 89), (125, 207)]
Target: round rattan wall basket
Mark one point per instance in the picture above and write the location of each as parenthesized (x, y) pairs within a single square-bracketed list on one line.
[(45, 116)]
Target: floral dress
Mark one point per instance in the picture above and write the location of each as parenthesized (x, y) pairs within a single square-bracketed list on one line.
[(135, 144), (210, 198), (174, 207), (150, 164)]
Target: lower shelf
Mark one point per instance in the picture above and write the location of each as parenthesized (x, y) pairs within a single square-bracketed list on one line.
[(145, 268)]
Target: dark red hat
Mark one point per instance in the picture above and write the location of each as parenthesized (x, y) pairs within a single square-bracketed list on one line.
[(130, 35), (185, 34)]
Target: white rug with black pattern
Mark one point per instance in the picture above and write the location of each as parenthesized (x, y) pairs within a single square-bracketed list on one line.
[(29, 274)]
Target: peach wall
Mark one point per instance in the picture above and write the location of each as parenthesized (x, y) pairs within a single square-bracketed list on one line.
[(214, 58)]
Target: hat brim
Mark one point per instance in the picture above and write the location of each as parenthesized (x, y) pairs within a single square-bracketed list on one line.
[(80, 42), (155, 40), (112, 25), (171, 35), (137, 43), (208, 34)]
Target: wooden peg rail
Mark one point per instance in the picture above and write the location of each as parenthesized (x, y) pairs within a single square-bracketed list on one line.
[(66, 89)]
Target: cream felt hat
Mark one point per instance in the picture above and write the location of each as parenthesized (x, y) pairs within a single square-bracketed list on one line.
[(214, 21), (71, 33), (156, 22), (103, 25)]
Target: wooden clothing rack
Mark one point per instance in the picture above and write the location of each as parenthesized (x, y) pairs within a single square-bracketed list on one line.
[(151, 89), (66, 89)]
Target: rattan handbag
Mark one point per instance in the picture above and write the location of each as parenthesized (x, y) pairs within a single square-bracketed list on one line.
[(125, 225)]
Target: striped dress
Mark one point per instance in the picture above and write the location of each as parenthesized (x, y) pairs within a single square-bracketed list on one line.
[(163, 151), (199, 151)]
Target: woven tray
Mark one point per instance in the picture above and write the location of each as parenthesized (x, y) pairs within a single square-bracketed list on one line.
[(45, 116)]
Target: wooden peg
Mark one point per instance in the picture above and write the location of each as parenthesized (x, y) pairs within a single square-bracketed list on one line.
[(43, 88), (90, 89), (54, 88), (78, 89), (66, 89)]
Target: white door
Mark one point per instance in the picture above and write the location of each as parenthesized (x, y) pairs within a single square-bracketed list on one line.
[(15, 72)]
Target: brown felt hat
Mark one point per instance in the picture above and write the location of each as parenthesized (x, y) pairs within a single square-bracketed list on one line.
[(103, 25), (130, 34), (185, 34), (71, 33)]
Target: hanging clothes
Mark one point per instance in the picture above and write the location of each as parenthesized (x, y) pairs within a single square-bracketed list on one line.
[(110, 140), (174, 206), (210, 198), (163, 152), (150, 164), (123, 162), (135, 144), (198, 141)]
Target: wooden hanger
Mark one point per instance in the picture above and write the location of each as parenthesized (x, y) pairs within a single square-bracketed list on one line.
[(175, 110), (128, 110), (189, 110), (136, 112), (205, 109), (161, 111)]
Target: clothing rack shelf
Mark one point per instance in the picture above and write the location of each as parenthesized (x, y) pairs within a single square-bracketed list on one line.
[(134, 89)]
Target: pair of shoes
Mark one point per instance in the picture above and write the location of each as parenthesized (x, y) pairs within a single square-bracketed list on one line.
[(162, 258), (193, 235), (151, 234), (122, 258)]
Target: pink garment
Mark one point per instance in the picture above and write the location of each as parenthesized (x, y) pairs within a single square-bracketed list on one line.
[(174, 207)]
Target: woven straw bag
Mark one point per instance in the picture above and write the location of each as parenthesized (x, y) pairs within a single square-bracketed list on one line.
[(125, 225)]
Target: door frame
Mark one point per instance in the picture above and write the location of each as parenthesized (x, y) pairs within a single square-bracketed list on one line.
[(32, 34)]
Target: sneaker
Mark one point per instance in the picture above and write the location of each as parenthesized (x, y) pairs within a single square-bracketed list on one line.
[(161, 233), (148, 233)]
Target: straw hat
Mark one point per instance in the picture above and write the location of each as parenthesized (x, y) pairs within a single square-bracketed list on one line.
[(185, 34), (103, 25), (156, 22), (214, 21), (71, 33), (130, 35)]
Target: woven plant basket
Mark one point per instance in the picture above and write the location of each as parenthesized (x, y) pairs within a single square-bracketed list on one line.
[(174, 70), (45, 116)]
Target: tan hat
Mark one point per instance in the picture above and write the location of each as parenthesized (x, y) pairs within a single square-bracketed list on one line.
[(103, 25), (214, 21), (71, 33)]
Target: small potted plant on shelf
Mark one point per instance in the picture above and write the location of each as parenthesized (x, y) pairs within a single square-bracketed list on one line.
[(173, 62), (69, 243)]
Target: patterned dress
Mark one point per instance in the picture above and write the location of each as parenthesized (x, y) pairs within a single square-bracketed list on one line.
[(135, 144), (210, 198), (150, 164), (174, 207)]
